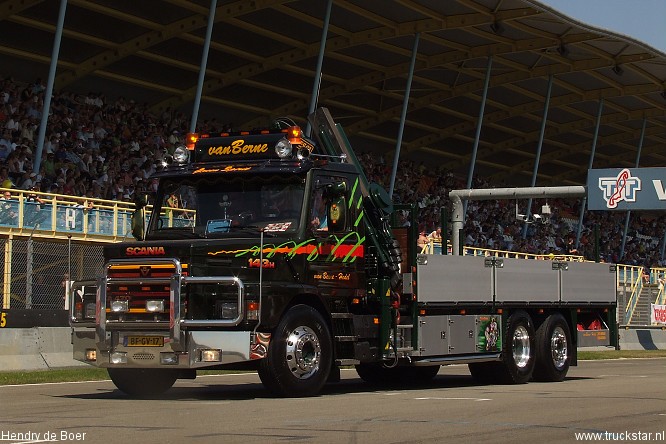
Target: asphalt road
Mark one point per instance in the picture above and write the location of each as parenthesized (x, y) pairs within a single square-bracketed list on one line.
[(617, 396)]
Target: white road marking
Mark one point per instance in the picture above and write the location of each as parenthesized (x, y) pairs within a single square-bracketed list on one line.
[(452, 399)]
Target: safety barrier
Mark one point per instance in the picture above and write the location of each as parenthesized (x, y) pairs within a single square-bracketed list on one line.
[(642, 338), (38, 348)]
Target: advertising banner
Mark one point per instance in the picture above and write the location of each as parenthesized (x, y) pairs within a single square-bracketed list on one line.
[(657, 314), (626, 189)]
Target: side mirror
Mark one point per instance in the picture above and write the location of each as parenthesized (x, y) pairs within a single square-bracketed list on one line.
[(138, 225), (140, 200)]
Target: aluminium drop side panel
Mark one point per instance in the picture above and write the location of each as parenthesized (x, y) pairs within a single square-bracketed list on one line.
[(589, 282), (453, 279), (433, 335), (527, 281), (462, 334)]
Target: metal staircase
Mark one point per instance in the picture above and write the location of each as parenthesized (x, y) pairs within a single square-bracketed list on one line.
[(642, 311)]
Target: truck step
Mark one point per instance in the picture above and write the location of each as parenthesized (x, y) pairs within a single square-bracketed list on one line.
[(347, 361), (341, 316), (346, 338)]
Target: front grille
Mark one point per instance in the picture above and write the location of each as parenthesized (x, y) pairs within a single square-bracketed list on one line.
[(140, 292), (143, 356)]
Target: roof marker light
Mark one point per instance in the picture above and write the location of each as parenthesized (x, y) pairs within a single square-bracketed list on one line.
[(294, 135), (191, 140)]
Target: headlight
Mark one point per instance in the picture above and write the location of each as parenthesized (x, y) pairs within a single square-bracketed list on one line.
[(154, 306), (120, 306), (181, 155), (303, 153), (283, 148)]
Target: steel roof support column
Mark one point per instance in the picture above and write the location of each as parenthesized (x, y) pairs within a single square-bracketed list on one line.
[(539, 148), (477, 136), (589, 167), (638, 159), (403, 116), (314, 98), (202, 67), (57, 38)]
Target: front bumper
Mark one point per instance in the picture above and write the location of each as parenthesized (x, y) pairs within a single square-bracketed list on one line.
[(233, 346)]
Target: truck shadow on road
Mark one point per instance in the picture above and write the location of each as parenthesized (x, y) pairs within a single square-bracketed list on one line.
[(224, 388)]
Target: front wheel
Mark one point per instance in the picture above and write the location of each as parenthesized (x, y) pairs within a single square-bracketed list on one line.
[(553, 349), (518, 349), (143, 382), (299, 356)]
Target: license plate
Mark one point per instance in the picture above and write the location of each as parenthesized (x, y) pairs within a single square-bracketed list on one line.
[(144, 341)]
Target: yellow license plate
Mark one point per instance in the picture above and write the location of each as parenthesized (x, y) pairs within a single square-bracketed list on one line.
[(144, 341)]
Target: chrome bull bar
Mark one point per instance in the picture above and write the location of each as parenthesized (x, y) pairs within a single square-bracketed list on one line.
[(176, 281)]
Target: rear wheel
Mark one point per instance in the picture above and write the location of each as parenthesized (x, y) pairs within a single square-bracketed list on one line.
[(143, 382), (553, 349), (518, 349), (299, 355)]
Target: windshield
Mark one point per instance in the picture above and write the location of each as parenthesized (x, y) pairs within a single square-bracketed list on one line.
[(221, 206)]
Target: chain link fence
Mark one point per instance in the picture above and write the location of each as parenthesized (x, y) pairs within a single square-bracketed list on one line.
[(35, 272)]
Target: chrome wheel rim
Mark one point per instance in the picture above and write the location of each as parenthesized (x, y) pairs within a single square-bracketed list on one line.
[(559, 349), (521, 347), (303, 352)]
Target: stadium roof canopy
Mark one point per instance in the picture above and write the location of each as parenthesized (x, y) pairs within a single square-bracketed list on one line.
[(263, 58)]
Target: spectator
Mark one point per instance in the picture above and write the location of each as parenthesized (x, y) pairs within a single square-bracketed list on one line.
[(8, 209), (422, 240)]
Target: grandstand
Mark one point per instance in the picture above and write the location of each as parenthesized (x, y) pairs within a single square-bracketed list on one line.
[(120, 104)]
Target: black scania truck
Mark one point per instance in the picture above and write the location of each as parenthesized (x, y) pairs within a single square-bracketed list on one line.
[(269, 250)]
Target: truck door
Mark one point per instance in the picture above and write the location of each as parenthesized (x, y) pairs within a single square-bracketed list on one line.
[(336, 265)]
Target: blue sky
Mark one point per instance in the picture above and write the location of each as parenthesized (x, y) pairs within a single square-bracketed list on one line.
[(643, 20)]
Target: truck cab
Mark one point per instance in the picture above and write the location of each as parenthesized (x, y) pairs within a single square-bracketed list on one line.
[(252, 239)]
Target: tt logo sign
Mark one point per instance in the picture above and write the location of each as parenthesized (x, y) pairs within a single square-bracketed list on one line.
[(623, 187), (659, 189)]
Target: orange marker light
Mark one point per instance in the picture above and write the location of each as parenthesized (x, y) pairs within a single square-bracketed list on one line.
[(294, 135), (191, 140)]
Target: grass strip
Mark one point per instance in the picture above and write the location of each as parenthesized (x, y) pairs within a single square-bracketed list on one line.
[(619, 354), (73, 375)]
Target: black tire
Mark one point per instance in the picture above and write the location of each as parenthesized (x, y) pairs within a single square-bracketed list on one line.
[(554, 349), (300, 354), (143, 382), (486, 372), (518, 349)]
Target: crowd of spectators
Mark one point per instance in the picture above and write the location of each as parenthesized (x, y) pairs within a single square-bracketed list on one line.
[(108, 149), (493, 224)]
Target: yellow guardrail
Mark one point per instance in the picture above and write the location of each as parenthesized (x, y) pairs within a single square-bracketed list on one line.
[(30, 213), (633, 276)]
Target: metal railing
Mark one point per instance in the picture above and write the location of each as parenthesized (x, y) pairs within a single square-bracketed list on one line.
[(636, 274)]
